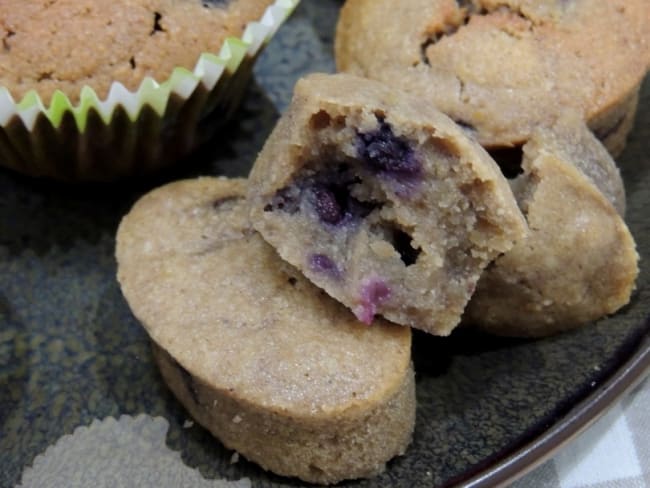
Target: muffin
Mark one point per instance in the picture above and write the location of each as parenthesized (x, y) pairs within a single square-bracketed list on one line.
[(579, 261), (102, 90), (501, 68), (381, 201), (268, 363)]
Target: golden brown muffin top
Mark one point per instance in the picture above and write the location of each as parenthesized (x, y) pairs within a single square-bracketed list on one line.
[(501, 66), (66, 44)]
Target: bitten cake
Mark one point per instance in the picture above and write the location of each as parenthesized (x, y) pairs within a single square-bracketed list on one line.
[(579, 261), (382, 201), (501, 68), (266, 361)]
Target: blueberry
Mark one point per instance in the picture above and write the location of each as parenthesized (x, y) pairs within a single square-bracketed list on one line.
[(331, 199), (321, 263), (373, 293), (385, 152), (328, 194), (326, 205)]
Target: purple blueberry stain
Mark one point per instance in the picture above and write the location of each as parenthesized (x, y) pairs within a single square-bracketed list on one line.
[(405, 187), (327, 195), (323, 264), (374, 292), (327, 206), (334, 204), (386, 153)]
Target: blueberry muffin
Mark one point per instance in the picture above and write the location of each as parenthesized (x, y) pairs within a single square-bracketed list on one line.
[(266, 361), (94, 44), (382, 201), (106, 90), (579, 261), (501, 68)]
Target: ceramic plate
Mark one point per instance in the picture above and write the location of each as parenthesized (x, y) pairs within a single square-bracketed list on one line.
[(82, 403)]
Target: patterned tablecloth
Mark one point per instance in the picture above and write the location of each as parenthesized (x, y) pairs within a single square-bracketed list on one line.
[(613, 452)]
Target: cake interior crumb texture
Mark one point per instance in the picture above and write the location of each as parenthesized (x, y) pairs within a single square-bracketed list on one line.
[(383, 203)]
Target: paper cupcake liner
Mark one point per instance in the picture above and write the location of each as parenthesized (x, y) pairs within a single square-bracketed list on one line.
[(133, 132)]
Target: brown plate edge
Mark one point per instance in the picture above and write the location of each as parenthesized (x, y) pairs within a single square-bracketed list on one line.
[(630, 373)]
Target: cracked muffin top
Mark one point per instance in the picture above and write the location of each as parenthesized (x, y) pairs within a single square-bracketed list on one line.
[(500, 67), (66, 44)]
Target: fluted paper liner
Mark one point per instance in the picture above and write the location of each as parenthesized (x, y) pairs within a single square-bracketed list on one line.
[(132, 132)]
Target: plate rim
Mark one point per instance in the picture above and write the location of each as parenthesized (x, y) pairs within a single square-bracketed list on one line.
[(523, 458)]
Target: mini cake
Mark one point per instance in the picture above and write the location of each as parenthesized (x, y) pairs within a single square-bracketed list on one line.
[(97, 43), (501, 68), (382, 201), (579, 261), (267, 362), (98, 90)]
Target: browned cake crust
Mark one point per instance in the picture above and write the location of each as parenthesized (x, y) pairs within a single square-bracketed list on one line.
[(317, 450), (269, 364), (64, 45), (579, 261), (503, 67)]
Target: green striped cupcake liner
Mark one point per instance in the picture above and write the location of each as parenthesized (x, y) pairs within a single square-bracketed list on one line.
[(133, 132)]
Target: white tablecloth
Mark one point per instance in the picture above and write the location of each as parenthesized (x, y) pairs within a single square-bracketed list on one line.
[(613, 452)]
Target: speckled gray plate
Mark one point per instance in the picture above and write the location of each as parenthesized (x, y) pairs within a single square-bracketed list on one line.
[(71, 352)]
